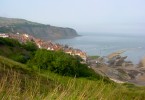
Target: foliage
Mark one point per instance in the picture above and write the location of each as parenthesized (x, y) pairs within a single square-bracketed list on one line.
[(61, 63), (30, 46), (19, 82), (12, 49), (9, 42)]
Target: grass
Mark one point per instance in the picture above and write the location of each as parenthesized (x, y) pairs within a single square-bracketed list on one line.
[(19, 82)]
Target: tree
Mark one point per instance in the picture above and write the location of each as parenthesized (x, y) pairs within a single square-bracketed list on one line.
[(30, 46), (61, 63)]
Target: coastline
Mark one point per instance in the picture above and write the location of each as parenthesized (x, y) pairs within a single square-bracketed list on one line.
[(105, 45)]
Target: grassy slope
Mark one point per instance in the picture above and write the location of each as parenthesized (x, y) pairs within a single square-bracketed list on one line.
[(19, 82), (12, 52), (12, 49)]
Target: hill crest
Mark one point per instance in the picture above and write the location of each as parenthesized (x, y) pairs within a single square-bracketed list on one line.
[(45, 32)]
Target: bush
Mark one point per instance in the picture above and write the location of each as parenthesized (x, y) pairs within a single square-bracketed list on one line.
[(9, 42), (19, 58), (30, 46), (61, 63), (19, 52)]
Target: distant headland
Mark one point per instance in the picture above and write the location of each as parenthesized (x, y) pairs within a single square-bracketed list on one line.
[(42, 31)]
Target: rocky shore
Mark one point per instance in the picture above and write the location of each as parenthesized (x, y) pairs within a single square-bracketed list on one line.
[(118, 69)]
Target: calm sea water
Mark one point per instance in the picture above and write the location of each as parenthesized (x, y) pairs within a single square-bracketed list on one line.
[(103, 45)]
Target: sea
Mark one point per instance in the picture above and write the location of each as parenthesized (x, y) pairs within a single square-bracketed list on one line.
[(105, 44)]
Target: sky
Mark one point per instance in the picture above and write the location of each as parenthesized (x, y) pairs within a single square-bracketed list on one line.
[(96, 16)]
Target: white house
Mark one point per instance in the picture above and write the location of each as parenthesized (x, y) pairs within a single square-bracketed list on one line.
[(26, 35), (4, 35)]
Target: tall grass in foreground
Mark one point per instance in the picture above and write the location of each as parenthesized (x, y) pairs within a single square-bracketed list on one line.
[(15, 87), (17, 82)]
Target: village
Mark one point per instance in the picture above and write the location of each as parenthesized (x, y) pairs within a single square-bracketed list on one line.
[(113, 66), (49, 45)]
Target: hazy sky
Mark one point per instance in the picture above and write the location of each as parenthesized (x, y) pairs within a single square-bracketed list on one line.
[(117, 16)]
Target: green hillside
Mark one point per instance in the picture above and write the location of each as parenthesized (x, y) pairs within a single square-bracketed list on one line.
[(19, 82), (35, 82), (41, 59), (12, 49)]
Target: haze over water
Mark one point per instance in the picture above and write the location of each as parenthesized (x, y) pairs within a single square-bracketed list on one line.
[(104, 44), (98, 16)]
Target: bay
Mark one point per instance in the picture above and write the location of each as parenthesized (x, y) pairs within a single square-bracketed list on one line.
[(104, 44)]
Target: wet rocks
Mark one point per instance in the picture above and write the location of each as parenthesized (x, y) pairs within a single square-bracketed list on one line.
[(118, 61)]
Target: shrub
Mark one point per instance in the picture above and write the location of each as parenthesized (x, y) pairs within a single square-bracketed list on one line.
[(61, 63), (30, 46), (19, 52), (9, 42)]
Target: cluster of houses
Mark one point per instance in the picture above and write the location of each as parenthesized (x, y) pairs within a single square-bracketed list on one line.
[(56, 47), (23, 38), (77, 52)]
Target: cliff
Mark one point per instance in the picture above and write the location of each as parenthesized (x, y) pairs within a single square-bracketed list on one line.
[(12, 25)]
